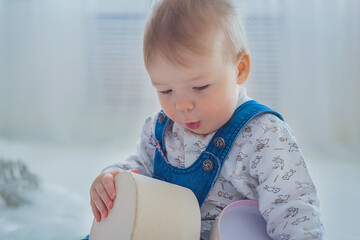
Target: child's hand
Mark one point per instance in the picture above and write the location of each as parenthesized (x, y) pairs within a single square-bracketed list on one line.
[(103, 193)]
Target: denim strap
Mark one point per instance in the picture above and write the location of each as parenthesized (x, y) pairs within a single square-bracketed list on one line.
[(203, 173)]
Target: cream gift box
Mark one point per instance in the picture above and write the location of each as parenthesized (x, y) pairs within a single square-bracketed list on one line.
[(147, 208), (150, 209)]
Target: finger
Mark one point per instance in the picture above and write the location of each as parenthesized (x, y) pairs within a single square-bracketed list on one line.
[(101, 191), (95, 211), (109, 185), (99, 204), (114, 172)]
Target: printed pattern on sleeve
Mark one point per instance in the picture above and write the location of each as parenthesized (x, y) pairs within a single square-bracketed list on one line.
[(143, 160), (266, 164)]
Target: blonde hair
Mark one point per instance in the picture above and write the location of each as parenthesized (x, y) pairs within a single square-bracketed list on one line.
[(178, 25)]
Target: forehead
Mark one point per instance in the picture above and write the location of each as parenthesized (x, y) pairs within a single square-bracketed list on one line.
[(188, 57), (161, 70)]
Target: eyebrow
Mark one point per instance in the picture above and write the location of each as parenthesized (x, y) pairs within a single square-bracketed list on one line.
[(198, 77), (156, 84)]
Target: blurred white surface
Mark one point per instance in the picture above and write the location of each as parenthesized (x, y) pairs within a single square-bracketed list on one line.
[(61, 209)]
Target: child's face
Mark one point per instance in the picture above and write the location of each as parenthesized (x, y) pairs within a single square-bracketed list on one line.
[(201, 98)]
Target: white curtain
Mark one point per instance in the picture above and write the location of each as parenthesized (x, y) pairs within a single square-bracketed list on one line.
[(58, 80), (313, 60)]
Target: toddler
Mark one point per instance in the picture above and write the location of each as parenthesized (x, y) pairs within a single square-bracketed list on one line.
[(211, 136)]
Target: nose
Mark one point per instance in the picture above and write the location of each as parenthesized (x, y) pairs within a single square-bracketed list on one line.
[(184, 105)]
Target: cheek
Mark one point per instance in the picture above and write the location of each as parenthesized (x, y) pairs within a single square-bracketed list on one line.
[(220, 104), (214, 100), (167, 107), (208, 106)]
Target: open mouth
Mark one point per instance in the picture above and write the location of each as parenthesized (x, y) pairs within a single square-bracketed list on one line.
[(193, 125)]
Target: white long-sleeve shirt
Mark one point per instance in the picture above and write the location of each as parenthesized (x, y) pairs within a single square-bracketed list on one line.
[(265, 164)]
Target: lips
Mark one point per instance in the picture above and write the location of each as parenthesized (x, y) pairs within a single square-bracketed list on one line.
[(193, 125)]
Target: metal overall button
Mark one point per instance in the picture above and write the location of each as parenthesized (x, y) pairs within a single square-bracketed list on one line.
[(208, 165), (161, 118), (219, 142)]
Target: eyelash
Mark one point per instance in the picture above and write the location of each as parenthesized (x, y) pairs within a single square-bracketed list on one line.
[(166, 92), (200, 88), (195, 88)]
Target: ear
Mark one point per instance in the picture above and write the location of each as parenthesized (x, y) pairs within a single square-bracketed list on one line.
[(243, 67)]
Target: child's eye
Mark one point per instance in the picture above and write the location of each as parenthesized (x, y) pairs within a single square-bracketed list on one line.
[(166, 91), (201, 88)]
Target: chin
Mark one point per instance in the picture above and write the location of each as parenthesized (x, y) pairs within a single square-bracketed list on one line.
[(201, 131)]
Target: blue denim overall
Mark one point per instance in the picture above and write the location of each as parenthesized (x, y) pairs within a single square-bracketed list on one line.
[(201, 176)]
